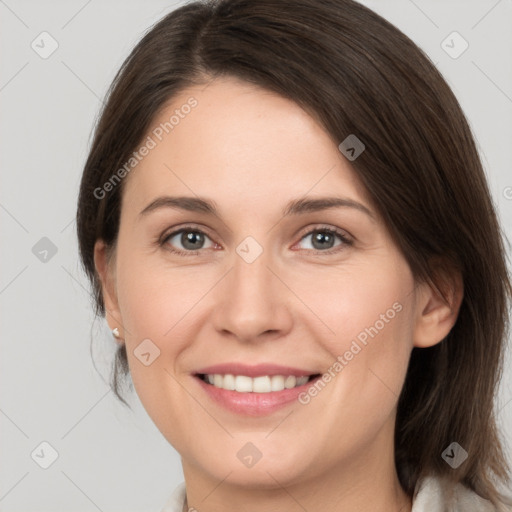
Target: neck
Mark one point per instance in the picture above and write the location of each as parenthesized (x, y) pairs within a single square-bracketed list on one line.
[(368, 483)]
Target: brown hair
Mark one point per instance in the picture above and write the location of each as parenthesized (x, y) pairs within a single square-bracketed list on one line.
[(356, 74)]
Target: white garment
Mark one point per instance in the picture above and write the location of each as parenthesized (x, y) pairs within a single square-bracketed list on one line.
[(430, 495)]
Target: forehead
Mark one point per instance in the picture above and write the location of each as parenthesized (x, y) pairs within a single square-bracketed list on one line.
[(240, 144)]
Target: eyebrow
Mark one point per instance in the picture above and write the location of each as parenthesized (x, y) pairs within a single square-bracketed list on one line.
[(295, 207)]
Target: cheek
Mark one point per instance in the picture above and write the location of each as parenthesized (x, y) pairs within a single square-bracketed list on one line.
[(161, 305), (369, 351), (367, 319), (157, 301), (360, 302)]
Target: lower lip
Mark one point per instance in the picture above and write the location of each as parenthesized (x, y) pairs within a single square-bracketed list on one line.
[(254, 404)]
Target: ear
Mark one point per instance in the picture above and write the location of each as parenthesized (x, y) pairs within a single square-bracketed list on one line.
[(105, 265), (436, 315)]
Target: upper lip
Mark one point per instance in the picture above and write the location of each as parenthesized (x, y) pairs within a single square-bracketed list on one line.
[(254, 371)]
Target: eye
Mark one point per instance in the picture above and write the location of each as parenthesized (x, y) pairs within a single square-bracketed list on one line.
[(191, 239), (324, 238)]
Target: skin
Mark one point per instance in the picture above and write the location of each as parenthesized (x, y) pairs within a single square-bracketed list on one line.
[(251, 152)]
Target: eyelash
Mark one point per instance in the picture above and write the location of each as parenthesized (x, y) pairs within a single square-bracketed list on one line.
[(322, 229)]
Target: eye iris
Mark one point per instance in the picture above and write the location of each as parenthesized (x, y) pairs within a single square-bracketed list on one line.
[(321, 237), (191, 237)]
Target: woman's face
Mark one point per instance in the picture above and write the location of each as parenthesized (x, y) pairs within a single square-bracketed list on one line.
[(260, 288)]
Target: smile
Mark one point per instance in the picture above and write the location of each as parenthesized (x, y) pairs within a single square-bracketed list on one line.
[(262, 384), (253, 390)]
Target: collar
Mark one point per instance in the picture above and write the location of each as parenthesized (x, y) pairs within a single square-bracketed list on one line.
[(430, 495)]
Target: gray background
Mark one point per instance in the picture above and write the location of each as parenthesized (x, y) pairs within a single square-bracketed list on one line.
[(110, 459)]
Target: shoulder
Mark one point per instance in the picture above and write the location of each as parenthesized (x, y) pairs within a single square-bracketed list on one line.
[(432, 494), (176, 499)]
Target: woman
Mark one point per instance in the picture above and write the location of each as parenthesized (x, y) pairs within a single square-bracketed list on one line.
[(287, 226)]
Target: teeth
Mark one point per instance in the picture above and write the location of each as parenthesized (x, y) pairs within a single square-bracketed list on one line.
[(264, 384)]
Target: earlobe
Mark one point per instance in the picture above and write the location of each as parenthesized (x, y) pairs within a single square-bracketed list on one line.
[(104, 268), (437, 309)]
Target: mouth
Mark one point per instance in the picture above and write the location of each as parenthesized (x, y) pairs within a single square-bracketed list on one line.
[(260, 384), (253, 390)]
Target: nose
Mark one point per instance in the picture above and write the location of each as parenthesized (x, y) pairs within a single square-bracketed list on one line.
[(253, 303)]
